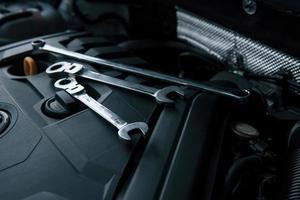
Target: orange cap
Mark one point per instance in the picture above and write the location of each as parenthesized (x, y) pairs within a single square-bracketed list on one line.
[(29, 66)]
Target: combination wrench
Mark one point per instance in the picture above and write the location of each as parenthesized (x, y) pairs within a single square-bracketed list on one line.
[(236, 94), (61, 69), (76, 90)]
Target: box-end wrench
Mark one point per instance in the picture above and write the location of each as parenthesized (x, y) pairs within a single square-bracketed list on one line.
[(61, 69), (71, 86), (236, 94)]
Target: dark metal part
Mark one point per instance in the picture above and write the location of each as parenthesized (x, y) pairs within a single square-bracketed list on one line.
[(249, 7)]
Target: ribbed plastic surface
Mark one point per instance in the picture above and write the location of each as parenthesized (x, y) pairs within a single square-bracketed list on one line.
[(292, 191), (218, 41)]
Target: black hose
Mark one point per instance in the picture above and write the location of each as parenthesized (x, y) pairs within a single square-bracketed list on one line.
[(291, 178), (237, 170), (291, 184)]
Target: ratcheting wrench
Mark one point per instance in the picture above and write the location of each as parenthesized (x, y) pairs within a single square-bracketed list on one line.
[(71, 86), (233, 93), (61, 69)]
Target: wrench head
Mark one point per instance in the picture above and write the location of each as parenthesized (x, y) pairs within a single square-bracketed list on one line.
[(161, 95), (69, 84), (61, 69), (57, 69), (37, 44), (124, 132)]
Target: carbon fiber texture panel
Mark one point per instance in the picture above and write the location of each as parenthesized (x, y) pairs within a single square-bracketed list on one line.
[(218, 41)]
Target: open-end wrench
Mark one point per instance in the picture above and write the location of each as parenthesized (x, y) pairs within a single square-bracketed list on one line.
[(61, 69), (236, 94), (71, 86)]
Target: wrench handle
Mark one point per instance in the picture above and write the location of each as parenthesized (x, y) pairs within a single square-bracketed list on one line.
[(104, 112), (235, 94), (118, 82)]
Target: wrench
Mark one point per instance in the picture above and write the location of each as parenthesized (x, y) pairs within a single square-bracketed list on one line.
[(60, 69), (236, 94), (71, 86)]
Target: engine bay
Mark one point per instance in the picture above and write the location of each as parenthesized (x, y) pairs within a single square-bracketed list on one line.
[(94, 109)]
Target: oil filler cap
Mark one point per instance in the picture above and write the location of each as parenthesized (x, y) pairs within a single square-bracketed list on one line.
[(4, 121), (245, 130)]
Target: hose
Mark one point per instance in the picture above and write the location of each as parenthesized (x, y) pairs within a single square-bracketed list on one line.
[(291, 182), (237, 170)]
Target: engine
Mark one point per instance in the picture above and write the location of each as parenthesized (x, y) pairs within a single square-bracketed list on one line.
[(95, 108)]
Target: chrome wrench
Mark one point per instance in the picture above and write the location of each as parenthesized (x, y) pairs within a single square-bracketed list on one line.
[(61, 69), (71, 86), (236, 94)]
